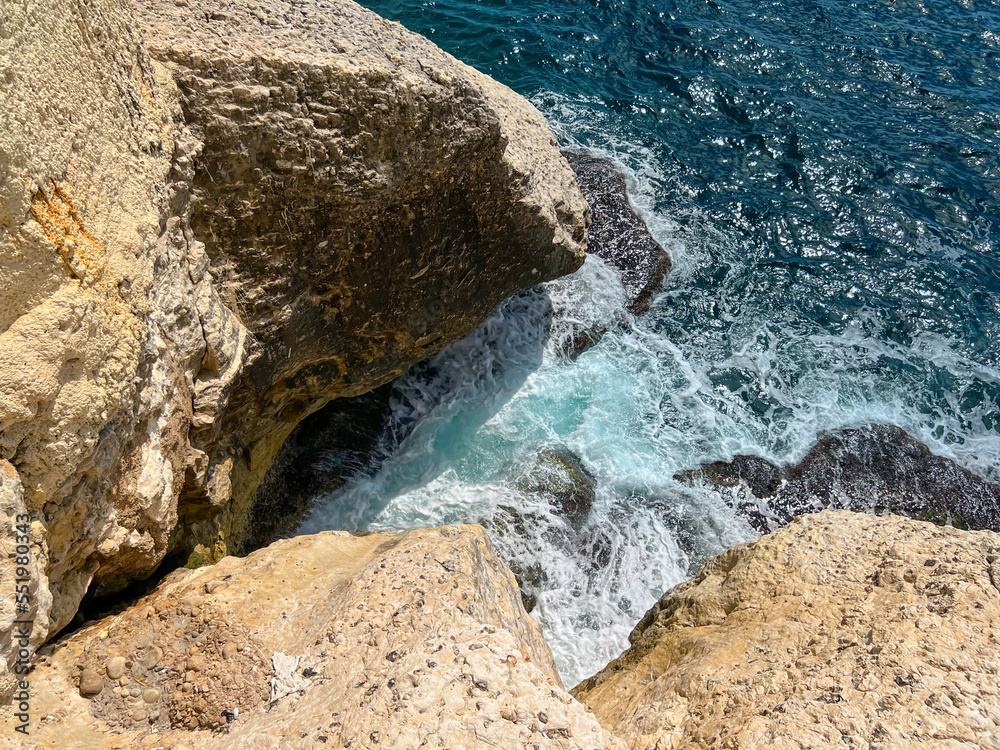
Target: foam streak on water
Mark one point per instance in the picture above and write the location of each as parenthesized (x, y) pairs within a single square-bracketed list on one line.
[(825, 179), (653, 397)]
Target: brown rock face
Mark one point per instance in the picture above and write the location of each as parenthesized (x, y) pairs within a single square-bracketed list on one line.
[(298, 203), (383, 640), (364, 200), (840, 630), (86, 137)]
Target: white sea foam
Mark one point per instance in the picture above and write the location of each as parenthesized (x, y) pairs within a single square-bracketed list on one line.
[(655, 396)]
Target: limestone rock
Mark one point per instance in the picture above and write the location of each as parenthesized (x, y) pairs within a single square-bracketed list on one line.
[(875, 468), (299, 203), (25, 601), (364, 199), (399, 638), (86, 410), (840, 630)]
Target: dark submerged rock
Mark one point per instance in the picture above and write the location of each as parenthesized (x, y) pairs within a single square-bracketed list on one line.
[(508, 521), (875, 469), (617, 235), (559, 475)]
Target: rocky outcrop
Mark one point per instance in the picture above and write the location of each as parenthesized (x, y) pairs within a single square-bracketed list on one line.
[(93, 411), (286, 203), (332, 640), (364, 199), (876, 468), (618, 235), (559, 476), (840, 630)]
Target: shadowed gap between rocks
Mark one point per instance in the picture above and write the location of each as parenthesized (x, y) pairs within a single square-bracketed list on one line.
[(352, 436)]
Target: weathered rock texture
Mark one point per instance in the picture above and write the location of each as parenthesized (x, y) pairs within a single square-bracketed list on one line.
[(841, 630), (92, 420), (618, 235), (299, 203), (402, 640), (876, 468), (364, 199)]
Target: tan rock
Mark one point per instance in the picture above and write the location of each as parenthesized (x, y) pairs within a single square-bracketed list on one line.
[(364, 199), (91, 683), (194, 259), (840, 630), (25, 600), (397, 639), (115, 667), (86, 137)]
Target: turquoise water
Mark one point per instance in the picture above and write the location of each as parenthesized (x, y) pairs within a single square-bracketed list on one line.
[(826, 177)]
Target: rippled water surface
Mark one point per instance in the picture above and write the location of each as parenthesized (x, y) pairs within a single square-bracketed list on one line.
[(826, 176)]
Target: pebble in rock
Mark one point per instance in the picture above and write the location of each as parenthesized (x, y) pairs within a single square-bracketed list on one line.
[(115, 667), (152, 657), (229, 650), (91, 683), (151, 695)]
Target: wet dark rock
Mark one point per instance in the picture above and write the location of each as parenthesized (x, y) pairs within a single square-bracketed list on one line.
[(323, 452), (617, 235), (507, 522), (875, 469), (559, 475), (530, 580)]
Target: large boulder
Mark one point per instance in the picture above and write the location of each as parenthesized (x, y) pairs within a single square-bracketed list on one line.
[(298, 203), (364, 199), (332, 640), (94, 412), (840, 630)]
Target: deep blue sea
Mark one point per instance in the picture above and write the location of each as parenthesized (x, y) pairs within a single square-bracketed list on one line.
[(826, 177)]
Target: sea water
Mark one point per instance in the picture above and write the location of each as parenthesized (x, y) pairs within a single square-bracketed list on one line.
[(826, 178)]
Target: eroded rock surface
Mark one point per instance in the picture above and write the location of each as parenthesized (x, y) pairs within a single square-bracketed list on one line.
[(94, 410), (876, 469), (841, 630), (297, 204), (401, 640), (364, 199)]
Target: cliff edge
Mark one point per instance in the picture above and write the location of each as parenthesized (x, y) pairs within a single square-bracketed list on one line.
[(214, 218), (386, 640), (841, 630)]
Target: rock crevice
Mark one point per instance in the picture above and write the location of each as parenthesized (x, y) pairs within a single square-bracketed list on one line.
[(214, 219)]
